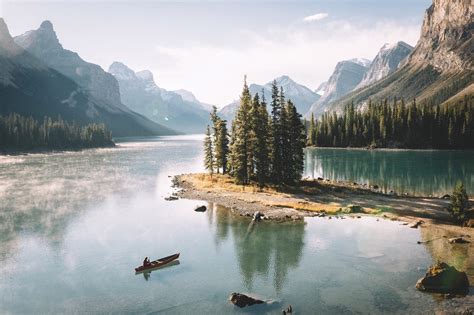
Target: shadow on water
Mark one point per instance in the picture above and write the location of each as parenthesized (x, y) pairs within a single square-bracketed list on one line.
[(413, 172), (259, 248)]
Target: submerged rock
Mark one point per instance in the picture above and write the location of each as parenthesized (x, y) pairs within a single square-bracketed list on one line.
[(171, 198), (458, 240), (242, 300), (416, 224), (257, 216), (443, 278), (200, 209), (289, 310)]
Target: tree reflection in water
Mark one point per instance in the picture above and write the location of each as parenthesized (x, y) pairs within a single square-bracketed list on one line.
[(260, 247), (413, 172)]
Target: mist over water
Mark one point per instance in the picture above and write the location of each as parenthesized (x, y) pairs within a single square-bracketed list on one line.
[(73, 226)]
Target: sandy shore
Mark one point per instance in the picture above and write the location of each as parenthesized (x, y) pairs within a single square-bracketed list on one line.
[(315, 197)]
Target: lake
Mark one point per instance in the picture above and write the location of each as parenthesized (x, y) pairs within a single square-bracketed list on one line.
[(415, 172), (74, 225)]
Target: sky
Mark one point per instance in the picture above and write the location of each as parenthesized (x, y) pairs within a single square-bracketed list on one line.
[(207, 47)]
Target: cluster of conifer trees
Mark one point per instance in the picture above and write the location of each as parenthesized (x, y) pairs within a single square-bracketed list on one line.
[(263, 147), (25, 133), (396, 125)]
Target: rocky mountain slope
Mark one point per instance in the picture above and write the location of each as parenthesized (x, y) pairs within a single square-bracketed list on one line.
[(345, 77), (299, 94), (440, 66), (177, 110), (387, 61), (44, 44), (30, 87)]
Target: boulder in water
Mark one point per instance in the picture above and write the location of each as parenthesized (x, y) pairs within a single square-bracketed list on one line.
[(443, 278), (242, 300), (257, 216), (416, 224), (200, 209)]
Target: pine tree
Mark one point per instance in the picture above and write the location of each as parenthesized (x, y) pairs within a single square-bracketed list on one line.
[(240, 138), (222, 145), (276, 148), (312, 132), (262, 137), (459, 203), (208, 152), (296, 142), (215, 137)]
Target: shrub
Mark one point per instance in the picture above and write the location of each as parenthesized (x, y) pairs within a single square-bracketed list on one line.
[(459, 203)]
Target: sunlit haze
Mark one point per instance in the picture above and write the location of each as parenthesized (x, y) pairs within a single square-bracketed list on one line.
[(207, 47)]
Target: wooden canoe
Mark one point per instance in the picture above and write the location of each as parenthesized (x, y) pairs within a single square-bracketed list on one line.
[(158, 263)]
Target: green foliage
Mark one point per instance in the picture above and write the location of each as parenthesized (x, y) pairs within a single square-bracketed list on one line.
[(263, 148), (222, 145), (208, 152), (25, 133), (459, 203), (397, 125), (240, 148)]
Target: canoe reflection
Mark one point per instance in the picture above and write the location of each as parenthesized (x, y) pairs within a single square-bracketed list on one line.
[(146, 274)]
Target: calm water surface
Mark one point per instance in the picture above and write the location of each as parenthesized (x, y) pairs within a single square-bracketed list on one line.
[(74, 225), (416, 172)]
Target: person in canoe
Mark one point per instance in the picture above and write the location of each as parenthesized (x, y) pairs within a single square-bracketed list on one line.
[(146, 262)]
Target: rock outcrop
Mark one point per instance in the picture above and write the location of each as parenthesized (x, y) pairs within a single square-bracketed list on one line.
[(442, 278), (446, 40)]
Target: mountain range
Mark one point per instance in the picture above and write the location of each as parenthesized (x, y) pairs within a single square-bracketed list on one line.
[(440, 68), (178, 110), (39, 77), (300, 95), (30, 86)]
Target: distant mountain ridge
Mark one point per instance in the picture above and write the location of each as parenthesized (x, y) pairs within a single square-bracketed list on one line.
[(177, 110), (299, 94), (387, 61), (44, 44), (346, 76), (30, 87)]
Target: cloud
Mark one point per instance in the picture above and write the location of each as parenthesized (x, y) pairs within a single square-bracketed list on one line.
[(315, 17), (215, 72)]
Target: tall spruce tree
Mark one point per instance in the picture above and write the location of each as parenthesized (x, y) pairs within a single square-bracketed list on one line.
[(215, 136), (262, 142), (276, 141), (222, 146), (208, 152), (296, 142), (241, 138)]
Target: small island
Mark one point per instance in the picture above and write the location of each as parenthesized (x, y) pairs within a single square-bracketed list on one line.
[(257, 169)]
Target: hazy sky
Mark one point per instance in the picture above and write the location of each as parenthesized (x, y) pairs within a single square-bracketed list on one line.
[(207, 46)]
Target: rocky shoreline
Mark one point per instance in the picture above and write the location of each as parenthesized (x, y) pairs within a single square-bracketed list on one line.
[(318, 197)]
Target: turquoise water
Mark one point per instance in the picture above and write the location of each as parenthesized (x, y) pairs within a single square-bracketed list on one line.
[(416, 172), (74, 225)]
